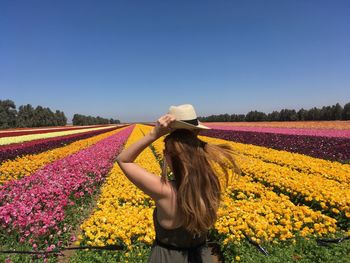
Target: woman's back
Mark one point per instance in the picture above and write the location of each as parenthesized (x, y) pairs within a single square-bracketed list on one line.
[(172, 239), (167, 213), (198, 184), (178, 246)]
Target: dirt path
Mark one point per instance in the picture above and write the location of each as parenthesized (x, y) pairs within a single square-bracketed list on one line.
[(68, 253)]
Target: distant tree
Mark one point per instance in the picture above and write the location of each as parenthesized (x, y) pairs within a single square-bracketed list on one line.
[(250, 116), (314, 114), (256, 116), (61, 119), (284, 115), (293, 115), (302, 114), (273, 116), (89, 120), (337, 112), (234, 117), (346, 112), (79, 119), (226, 117), (39, 119), (8, 114), (100, 120), (25, 116), (237, 117), (288, 115), (50, 117), (326, 113), (334, 112), (112, 121)]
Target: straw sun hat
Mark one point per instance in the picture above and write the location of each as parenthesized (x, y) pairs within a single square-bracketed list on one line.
[(186, 118)]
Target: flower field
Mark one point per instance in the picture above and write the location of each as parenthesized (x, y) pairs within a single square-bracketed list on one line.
[(34, 205), (75, 194), (326, 144), (332, 125), (15, 150), (27, 131), (45, 135)]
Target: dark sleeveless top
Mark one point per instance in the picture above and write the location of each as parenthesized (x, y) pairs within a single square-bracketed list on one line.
[(178, 245)]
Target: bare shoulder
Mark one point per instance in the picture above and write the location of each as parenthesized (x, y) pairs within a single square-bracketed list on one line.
[(167, 212), (169, 201)]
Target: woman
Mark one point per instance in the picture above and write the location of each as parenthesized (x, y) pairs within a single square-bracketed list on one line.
[(186, 207)]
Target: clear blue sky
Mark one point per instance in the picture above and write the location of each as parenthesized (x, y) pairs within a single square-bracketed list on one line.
[(131, 60)]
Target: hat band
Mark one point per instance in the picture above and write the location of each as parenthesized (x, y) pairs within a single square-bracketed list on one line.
[(193, 122)]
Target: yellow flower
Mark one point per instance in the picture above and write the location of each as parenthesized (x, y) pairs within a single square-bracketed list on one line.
[(125, 212), (28, 164)]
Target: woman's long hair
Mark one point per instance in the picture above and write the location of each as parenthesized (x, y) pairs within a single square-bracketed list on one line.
[(192, 161)]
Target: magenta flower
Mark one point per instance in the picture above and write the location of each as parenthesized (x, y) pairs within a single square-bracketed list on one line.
[(331, 148), (34, 206)]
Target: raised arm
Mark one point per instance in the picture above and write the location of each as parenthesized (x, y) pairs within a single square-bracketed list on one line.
[(149, 183)]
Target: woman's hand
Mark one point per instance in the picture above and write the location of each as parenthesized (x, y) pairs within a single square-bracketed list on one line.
[(163, 126)]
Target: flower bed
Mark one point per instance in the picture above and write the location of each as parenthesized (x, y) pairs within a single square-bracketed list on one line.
[(27, 131), (34, 207), (316, 146), (28, 164), (12, 151), (31, 137), (124, 213)]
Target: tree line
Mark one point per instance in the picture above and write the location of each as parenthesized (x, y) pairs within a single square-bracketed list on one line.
[(28, 116), (79, 119), (334, 112)]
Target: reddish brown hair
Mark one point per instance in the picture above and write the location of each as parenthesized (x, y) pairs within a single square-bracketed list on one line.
[(192, 162)]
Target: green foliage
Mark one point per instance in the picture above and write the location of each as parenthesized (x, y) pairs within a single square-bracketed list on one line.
[(303, 251), (8, 114), (334, 112), (27, 116), (79, 119), (346, 112), (139, 253)]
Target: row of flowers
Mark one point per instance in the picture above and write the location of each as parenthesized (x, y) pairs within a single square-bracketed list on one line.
[(258, 212), (31, 137), (334, 125), (344, 133), (34, 207), (19, 132), (28, 164), (124, 213), (264, 215), (12, 151), (336, 149), (299, 162), (327, 195)]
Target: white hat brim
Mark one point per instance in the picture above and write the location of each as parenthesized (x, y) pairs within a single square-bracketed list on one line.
[(184, 125)]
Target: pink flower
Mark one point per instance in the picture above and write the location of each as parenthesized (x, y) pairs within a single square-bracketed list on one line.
[(34, 206)]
